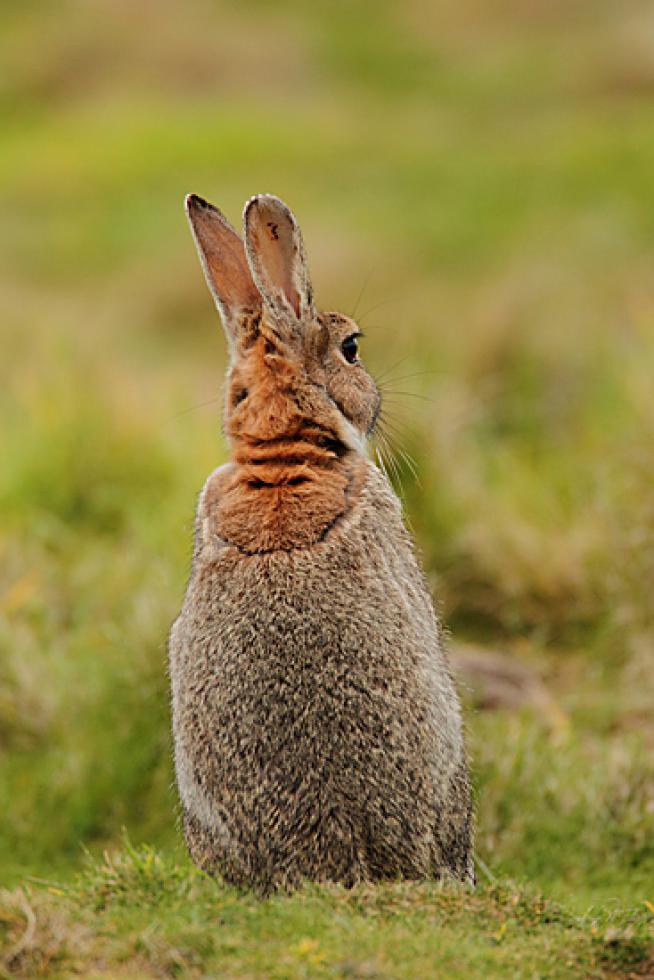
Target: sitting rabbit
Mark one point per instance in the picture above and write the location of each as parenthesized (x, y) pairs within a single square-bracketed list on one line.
[(317, 729)]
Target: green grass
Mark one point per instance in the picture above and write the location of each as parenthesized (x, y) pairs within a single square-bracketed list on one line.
[(153, 917), (475, 180)]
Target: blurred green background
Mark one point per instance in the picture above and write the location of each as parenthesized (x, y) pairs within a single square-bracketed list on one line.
[(476, 181)]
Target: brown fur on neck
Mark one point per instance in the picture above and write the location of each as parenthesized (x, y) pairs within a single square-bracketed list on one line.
[(291, 478)]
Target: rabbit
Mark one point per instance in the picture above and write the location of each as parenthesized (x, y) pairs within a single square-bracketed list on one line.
[(317, 730)]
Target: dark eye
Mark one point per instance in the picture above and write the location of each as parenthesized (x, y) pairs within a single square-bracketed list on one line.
[(350, 348)]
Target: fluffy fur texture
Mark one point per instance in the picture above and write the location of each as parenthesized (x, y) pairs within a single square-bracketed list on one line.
[(317, 729)]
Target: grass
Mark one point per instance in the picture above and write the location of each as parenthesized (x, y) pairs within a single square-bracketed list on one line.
[(476, 183), (159, 918)]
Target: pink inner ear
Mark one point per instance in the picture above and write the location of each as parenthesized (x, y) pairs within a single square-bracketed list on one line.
[(224, 256), (231, 276), (273, 238)]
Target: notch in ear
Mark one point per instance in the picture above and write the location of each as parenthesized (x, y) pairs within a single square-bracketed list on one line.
[(275, 252), (223, 259)]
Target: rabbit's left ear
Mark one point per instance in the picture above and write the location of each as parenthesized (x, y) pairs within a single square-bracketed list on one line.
[(275, 253)]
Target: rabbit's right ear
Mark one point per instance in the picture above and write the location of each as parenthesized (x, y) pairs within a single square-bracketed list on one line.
[(223, 259)]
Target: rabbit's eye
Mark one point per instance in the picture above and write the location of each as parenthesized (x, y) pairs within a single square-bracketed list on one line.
[(350, 348)]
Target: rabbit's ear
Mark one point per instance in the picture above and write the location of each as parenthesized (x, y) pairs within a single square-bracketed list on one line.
[(275, 251), (223, 259)]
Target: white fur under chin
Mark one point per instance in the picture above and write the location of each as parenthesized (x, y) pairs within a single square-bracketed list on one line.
[(353, 439)]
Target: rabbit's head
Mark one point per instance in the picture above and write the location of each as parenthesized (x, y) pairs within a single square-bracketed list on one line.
[(293, 370)]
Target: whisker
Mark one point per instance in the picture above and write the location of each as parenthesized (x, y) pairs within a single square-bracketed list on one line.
[(407, 394), (195, 408), (411, 465), (366, 283), (390, 426), (398, 475), (383, 455), (391, 461), (377, 306), (385, 373), (410, 377), (380, 460), (392, 423)]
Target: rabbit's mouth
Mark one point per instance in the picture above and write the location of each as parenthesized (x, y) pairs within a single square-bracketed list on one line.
[(355, 436)]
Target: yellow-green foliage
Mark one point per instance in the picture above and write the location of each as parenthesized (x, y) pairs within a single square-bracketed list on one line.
[(474, 182)]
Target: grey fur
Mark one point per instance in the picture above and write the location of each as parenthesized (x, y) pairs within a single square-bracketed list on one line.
[(317, 729)]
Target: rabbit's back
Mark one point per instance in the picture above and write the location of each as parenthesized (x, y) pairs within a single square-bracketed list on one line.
[(317, 730)]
